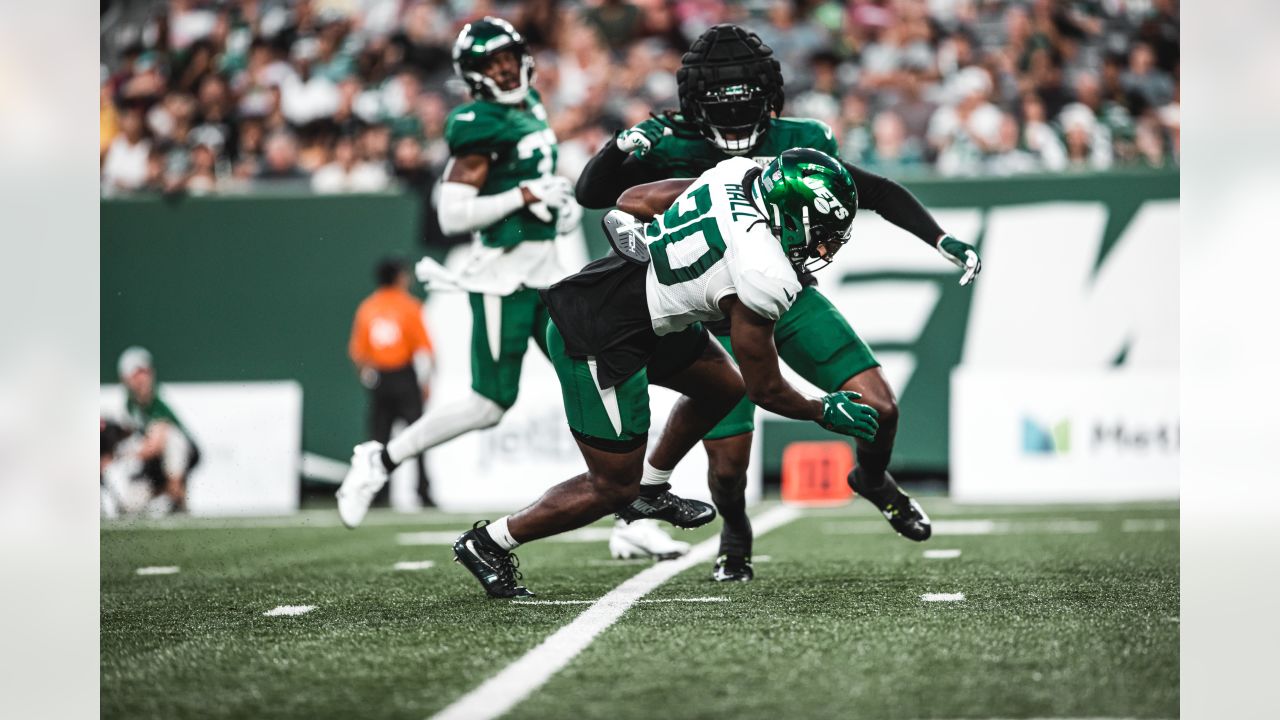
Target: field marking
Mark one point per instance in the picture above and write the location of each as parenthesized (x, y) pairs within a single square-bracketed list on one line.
[(618, 562), (448, 537), (656, 600), (283, 610), (1148, 525), (942, 597), (941, 554), (157, 570), (1053, 526), (502, 692), (414, 565)]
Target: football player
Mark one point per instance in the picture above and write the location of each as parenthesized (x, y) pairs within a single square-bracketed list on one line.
[(731, 96), (500, 186), (727, 247)]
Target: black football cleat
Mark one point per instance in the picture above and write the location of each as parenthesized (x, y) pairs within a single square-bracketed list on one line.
[(496, 569), (732, 568), (900, 509), (678, 511)]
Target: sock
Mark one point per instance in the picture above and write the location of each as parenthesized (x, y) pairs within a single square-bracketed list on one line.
[(872, 465), (387, 462), (654, 476), (501, 536), (443, 424)]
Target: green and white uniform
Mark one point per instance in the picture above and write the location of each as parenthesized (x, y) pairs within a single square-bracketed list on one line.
[(813, 337), (515, 256), (615, 321)]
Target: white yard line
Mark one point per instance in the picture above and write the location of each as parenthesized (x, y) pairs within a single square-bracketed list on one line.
[(941, 554), (414, 565), (1051, 526), (942, 597), (655, 600), (1148, 525), (157, 570), (502, 692), (289, 610)]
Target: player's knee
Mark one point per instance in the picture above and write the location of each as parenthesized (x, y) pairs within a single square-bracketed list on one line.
[(886, 407)]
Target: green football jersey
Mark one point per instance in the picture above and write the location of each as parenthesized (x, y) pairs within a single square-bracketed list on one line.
[(520, 147), (690, 156)]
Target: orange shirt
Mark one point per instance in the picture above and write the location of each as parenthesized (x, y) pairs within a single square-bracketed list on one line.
[(388, 330)]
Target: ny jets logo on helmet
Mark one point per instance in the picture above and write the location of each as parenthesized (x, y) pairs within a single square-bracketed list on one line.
[(811, 201), (730, 85), (476, 60)]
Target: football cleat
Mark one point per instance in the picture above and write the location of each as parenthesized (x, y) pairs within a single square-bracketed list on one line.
[(678, 511), (732, 568), (900, 509), (365, 478), (496, 569), (643, 538)]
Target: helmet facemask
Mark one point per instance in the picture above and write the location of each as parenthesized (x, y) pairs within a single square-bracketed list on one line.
[(733, 117)]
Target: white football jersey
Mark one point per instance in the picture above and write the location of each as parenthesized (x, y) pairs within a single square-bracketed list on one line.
[(712, 243)]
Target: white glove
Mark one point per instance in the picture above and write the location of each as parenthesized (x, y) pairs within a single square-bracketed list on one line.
[(640, 139), (570, 218), (552, 192)]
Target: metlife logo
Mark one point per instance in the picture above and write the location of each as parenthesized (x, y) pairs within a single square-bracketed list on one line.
[(1042, 439)]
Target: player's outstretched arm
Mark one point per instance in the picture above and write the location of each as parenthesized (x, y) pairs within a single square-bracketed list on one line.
[(646, 201), (897, 205), (463, 209), (617, 166)]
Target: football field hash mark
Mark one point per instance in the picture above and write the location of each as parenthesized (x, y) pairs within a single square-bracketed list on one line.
[(941, 554), (157, 570), (942, 597), (502, 692), (414, 565), (284, 610)]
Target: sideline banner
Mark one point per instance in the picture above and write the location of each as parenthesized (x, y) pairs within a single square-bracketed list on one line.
[(1027, 436), (250, 439)]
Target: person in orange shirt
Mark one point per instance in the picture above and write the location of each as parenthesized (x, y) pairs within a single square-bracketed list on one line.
[(392, 351)]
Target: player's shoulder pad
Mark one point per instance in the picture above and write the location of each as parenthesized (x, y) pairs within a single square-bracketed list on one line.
[(808, 132), (473, 128), (737, 164), (767, 294)]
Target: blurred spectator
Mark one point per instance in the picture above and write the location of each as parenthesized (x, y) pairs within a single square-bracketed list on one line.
[(124, 167), (347, 173), (892, 153), (1088, 141), (230, 75), (1146, 80)]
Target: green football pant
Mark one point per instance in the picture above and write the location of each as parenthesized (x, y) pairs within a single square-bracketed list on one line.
[(501, 327)]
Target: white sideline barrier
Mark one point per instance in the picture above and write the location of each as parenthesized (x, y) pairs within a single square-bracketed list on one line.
[(250, 439), (1063, 436)]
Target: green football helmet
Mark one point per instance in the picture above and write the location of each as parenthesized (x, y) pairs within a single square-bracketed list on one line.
[(811, 201), (478, 42)]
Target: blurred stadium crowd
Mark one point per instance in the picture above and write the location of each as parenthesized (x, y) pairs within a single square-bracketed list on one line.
[(206, 96)]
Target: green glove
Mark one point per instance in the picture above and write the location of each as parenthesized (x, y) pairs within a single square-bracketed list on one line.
[(962, 255), (641, 138), (840, 414)]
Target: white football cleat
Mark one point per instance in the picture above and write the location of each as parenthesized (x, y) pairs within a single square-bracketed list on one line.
[(643, 538), (365, 478)]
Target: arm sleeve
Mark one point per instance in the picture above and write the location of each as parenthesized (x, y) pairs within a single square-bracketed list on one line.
[(463, 209), (608, 174), (895, 204)]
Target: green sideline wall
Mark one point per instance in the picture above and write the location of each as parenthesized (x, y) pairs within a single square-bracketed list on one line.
[(264, 287)]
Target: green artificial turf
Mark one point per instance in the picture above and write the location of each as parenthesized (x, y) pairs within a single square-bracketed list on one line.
[(1059, 620)]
